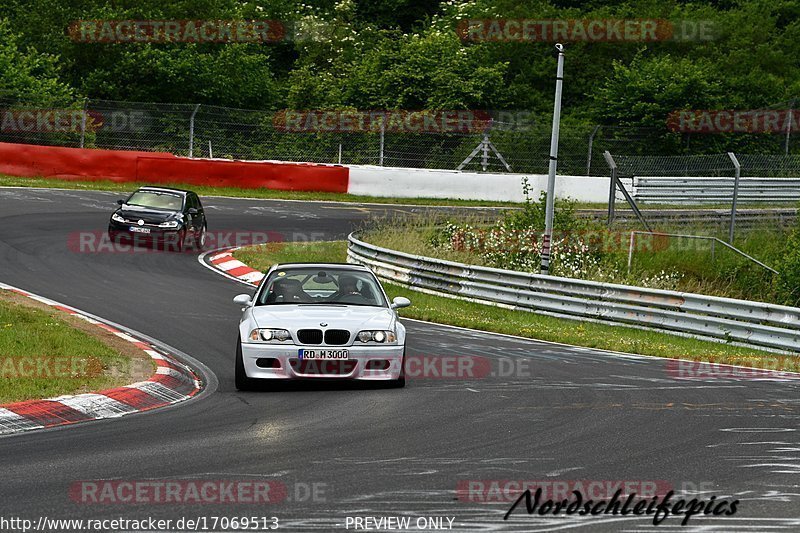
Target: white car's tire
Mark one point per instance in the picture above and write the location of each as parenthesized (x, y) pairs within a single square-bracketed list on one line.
[(400, 382), (243, 383)]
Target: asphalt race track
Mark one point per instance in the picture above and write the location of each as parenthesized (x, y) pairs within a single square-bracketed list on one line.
[(563, 414)]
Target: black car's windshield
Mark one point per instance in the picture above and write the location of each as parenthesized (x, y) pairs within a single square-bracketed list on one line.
[(167, 201), (321, 285)]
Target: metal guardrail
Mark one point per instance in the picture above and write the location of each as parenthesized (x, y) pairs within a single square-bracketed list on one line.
[(714, 190), (753, 323)]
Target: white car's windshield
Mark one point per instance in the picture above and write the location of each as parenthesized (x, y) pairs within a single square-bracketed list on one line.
[(321, 285), (156, 200)]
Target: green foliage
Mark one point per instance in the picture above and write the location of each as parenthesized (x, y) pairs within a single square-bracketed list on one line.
[(26, 74), (532, 215), (788, 282), (645, 91), (407, 54)]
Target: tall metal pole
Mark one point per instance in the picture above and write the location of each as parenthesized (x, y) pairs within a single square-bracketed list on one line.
[(551, 175), (737, 175), (83, 121), (191, 130), (789, 119), (383, 131)]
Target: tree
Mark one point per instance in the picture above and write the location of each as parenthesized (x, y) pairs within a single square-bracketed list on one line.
[(28, 75), (645, 91)]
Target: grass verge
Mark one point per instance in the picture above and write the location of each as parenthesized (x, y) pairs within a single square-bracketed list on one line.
[(488, 318), (45, 352), (270, 194)]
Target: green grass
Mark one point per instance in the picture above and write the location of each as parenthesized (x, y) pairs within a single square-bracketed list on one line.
[(108, 185), (489, 318), (42, 356), (715, 271)]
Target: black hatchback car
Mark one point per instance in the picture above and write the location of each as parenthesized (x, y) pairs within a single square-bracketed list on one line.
[(173, 218)]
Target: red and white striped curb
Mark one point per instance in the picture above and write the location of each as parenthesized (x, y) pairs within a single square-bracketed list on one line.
[(234, 268), (172, 382)]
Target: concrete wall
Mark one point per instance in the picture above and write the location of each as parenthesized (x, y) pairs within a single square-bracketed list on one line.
[(424, 183)]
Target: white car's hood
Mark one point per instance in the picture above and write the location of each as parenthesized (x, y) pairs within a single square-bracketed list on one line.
[(353, 318)]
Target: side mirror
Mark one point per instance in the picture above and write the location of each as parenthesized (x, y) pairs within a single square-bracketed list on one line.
[(193, 211), (120, 202), (242, 299), (400, 302)]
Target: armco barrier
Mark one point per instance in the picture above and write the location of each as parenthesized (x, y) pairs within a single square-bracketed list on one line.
[(696, 190), (753, 323), (156, 167)]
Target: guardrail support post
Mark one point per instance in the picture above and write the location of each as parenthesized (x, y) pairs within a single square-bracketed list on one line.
[(612, 192), (589, 154), (737, 175), (191, 129), (630, 250)]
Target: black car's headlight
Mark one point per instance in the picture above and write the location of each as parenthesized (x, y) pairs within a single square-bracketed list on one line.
[(116, 218), (381, 336), (170, 224), (269, 335)]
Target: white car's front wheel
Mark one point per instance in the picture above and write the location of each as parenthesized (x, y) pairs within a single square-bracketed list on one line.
[(243, 382), (400, 382)]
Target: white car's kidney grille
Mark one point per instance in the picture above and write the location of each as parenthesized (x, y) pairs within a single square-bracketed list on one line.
[(332, 337), (337, 337), (309, 336)]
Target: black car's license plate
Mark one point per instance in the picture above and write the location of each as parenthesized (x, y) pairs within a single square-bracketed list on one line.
[(137, 229), (323, 354)]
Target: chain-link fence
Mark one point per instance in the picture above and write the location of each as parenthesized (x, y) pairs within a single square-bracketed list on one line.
[(223, 132), (712, 165), (722, 180)]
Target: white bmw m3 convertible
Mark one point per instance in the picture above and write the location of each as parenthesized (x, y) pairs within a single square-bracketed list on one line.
[(320, 321)]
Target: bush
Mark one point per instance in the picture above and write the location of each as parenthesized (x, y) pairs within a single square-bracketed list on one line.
[(788, 281)]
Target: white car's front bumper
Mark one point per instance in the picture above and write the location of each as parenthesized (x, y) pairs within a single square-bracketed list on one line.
[(386, 361)]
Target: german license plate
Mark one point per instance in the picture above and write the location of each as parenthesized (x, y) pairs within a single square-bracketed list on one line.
[(137, 229), (322, 354)]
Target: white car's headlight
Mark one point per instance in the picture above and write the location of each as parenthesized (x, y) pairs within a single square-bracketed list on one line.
[(170, 224), (381, 336), (116, 218), (269, 335)]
